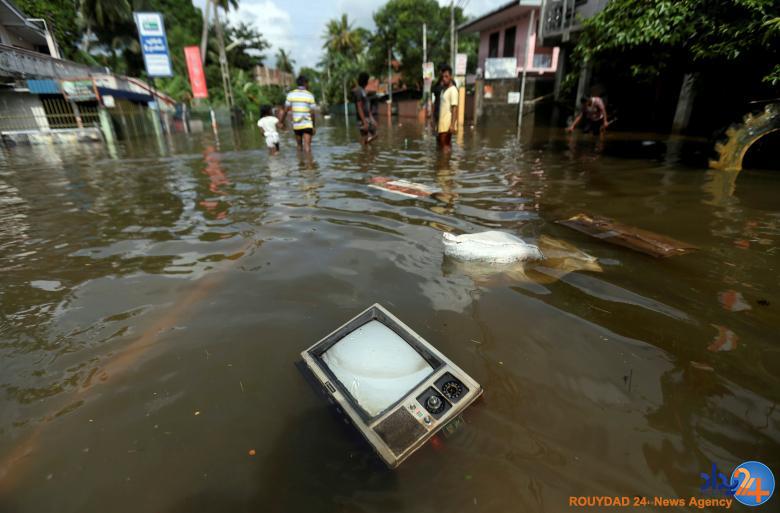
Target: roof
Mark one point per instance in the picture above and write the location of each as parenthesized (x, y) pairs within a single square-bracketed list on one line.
[(509, 9), (13, 19)]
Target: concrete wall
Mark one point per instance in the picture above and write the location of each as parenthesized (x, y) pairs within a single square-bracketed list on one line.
[(11, 39), (21, 111), (497, 110)]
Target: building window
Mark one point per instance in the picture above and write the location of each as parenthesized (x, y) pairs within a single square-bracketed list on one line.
[(493, 46), (509, 41), (542, 60)]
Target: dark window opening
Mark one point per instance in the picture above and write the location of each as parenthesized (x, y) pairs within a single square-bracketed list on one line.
[(509, 41), (493, 45)]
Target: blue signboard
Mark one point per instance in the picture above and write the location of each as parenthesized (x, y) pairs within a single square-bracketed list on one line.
[(154, 44)]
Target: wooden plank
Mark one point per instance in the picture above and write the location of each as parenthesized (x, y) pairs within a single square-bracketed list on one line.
[(631, 237)]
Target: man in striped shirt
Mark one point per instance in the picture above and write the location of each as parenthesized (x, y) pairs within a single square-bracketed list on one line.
[(301, 103)]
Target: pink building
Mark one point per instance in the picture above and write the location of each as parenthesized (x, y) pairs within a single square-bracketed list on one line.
[(504, 34)]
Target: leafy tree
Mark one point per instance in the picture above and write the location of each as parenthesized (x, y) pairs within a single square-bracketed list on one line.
[(345, 56), (284, 62), (342, 38), (315, 81), (399, 26), (654, 35), (103, 17), (60, 19), (249, 45)]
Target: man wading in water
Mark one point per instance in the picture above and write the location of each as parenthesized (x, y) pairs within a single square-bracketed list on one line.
[(363, 108), (445, 110), (595, 116), (301, 102)]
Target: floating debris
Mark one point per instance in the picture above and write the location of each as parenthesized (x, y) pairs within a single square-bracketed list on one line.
[(631, 237), (410, 189), (490, 246), (725, 340), (733, 301)]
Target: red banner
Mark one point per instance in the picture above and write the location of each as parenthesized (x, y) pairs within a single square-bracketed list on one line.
[(195, 69)]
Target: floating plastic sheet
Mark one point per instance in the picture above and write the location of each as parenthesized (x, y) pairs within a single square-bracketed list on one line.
[(490, 246)]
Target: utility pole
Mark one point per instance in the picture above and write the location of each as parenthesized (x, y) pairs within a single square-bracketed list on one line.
[(204, 36), (452, 34), (525, 66), (425, 43), (223, 64), (390, 82)]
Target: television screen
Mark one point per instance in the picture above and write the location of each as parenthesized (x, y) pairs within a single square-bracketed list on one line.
[(376, 366)]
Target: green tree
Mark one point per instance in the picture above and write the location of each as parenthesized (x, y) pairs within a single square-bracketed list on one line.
[(345, 56), (655, 35), (341, 37), (59, 16), (247, 46), (399, 26), (315, 81), (284, 62), (103, 17)]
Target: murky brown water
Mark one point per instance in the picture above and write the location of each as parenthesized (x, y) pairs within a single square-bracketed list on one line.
[(153, 307)]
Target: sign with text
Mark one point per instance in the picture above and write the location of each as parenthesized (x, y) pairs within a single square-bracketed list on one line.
[(461, 60), (78, 90), (154, 44), (195, 70), (505, 67), (427, 70), (513, 97)]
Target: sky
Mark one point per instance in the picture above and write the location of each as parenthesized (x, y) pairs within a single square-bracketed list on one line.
[(297, 25)]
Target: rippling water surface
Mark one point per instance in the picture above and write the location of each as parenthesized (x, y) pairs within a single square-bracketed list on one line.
[(153, 305)]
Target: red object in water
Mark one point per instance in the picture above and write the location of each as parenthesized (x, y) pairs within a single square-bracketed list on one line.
[(725, 340)]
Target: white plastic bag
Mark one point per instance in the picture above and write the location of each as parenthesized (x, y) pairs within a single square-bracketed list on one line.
[(490, 246)]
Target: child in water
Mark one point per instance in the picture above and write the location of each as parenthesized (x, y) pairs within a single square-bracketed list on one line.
[(269, 124)]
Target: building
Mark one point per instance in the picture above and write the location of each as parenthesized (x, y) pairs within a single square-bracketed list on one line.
[(273, 77), (560, 26), (508, 47), (47, 99)]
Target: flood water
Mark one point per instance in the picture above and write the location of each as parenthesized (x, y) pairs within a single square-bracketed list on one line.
[(154, 303)]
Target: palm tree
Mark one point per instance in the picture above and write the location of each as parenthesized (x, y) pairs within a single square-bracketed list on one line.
[(226, 5), (102, 13), (341, 38), (283, 61)]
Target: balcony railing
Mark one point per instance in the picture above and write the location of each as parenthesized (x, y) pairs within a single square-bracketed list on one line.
[(20, 63), (559, 17)]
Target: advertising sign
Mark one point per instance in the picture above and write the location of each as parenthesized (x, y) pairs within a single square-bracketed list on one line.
[(195, 69), (501, 68), (78, 90), (427, 70), (513, 97), (154, 43), (461, 60)]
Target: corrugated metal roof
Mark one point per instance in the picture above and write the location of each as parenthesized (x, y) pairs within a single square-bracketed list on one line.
[(45, 86)]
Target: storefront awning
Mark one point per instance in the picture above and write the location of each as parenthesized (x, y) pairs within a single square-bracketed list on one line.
[(45, 86)]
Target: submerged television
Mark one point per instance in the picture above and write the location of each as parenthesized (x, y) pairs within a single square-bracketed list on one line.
[(394, 386)]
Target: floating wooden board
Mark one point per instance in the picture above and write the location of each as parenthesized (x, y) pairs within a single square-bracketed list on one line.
[(402, 187), (644, 241)]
